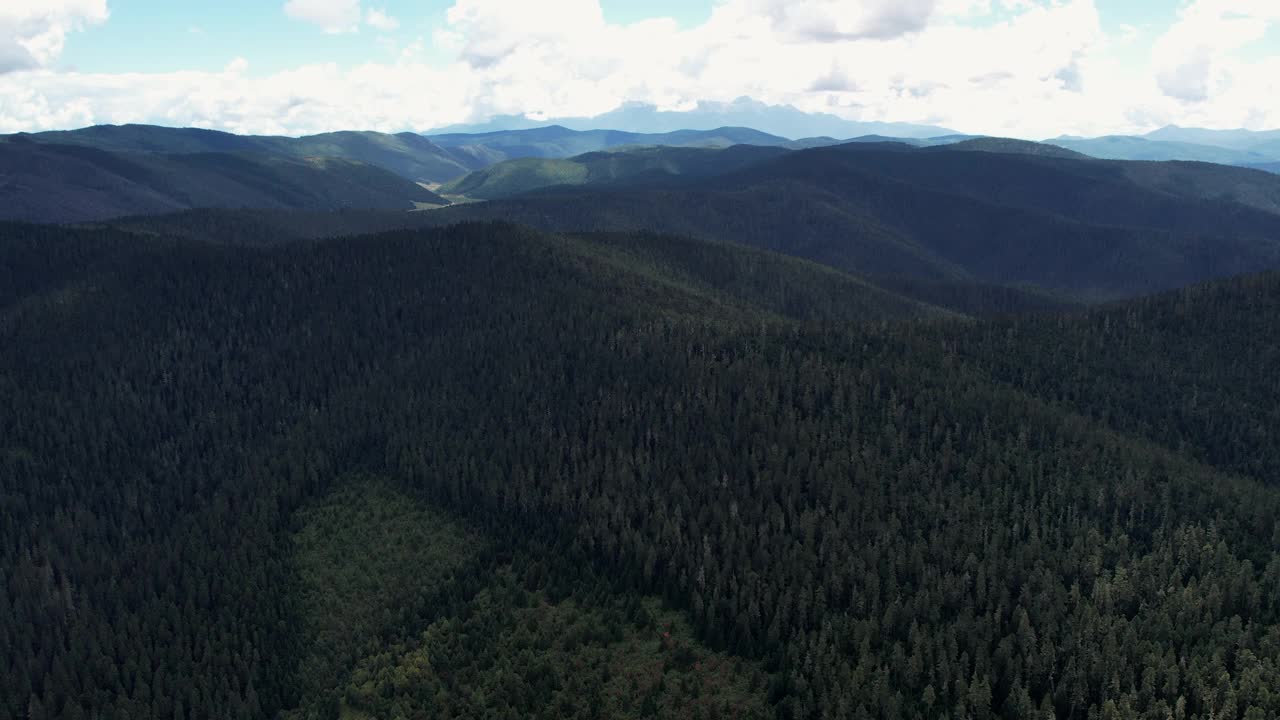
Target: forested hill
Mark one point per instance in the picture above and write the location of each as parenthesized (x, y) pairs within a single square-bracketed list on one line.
[(66, 183), (427, 159), (406, 154), (556, 141), (1186, 369), (627, 166), (878, 514), (981, 213), (263, 228), (1088, 229)]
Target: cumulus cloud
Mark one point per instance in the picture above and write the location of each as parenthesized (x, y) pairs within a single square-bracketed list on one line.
[(563, 58), (333, 16), (33, 32), (1193, 59), (835, 80), (839, 20), (489, 31), (1037, 69)]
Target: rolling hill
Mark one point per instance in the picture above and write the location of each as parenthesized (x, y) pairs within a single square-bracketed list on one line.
[(1009, 145), (68, 183), (445, 156), (1089, 229), (431, 160), (409, 155), (555, 141), (1090, 190), (972, 213), (269, 228), (633, 165)]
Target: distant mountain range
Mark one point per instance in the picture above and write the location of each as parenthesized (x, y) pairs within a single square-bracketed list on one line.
[(782, 120), (1266, 142), (1125, 147), (1228, 147), (107, 171)]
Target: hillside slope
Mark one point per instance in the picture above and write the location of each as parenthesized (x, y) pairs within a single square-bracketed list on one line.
[(1089, 229), (407, 154), (629, 166), (65, 183), (1108, 192), (1008, 145), (1186, 368), (265, 228)]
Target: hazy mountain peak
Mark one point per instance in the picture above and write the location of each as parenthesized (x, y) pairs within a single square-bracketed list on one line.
[(781, 120)]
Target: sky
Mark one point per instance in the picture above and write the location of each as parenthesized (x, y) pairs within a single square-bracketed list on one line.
[(1020, 68)]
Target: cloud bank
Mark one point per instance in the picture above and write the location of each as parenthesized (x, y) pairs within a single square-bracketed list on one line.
[(1036, 69)]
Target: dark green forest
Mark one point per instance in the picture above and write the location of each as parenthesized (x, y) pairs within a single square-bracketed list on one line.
[(487, 471)]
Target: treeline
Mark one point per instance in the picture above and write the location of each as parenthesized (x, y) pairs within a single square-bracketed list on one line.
[(887, 515)]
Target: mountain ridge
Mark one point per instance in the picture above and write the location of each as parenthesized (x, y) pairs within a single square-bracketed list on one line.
[(1129, 147), (1090, 228), (420, 158), (71, 183)]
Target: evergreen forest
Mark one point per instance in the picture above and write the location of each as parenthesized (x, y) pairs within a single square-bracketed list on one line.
[(471, 469)]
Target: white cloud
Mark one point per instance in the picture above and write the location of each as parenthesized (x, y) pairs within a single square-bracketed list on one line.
[(492, 30), (840, 20), (33, 32), (1193, 59), (380, 20), (1039, 68), (333, 16)]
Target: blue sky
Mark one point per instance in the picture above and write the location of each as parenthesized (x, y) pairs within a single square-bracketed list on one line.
[(169, 35), (1024, 68)]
